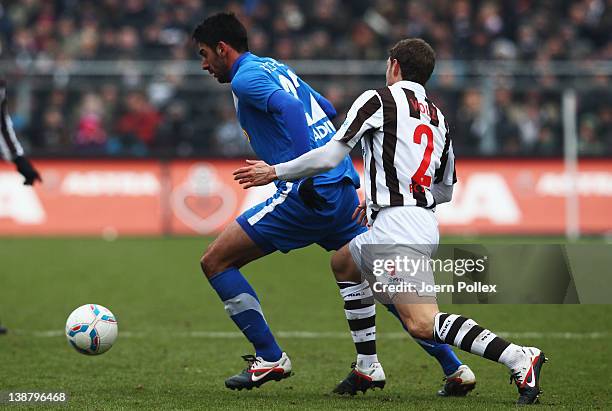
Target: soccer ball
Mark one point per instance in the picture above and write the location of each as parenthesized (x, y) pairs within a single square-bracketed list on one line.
[(91, 329)]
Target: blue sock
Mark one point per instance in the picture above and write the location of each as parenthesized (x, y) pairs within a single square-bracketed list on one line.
[(442, 352), (242, 305)]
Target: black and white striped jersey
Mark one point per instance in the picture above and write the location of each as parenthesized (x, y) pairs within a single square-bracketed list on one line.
[(406, 145), (9, 145)]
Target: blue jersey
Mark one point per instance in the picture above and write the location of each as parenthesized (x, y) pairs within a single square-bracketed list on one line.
[(254, 80)]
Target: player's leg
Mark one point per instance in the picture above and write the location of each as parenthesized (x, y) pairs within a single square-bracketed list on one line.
[(459, 378), (360, 319), (368, 372), (280, 223), (359, 306), (425, 321), (220, 263), (441, 352), (360, 311), (3, 330)]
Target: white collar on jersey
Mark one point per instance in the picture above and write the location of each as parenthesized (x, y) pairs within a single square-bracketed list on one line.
[(412, 86)]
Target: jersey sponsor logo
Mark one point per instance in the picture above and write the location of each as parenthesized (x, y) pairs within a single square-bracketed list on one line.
[(323, 130), (316, 114)]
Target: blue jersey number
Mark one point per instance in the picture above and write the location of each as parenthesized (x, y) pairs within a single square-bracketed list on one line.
[(291, 85)]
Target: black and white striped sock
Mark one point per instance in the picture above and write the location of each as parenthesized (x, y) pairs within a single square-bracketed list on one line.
[(466, 334), (360, 311)]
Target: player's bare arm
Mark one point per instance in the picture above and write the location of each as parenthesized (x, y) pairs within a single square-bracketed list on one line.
[(361, 213), (257, 173)]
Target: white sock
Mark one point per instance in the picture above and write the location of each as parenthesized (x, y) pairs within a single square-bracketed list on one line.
[(365, 361), (513, 356)]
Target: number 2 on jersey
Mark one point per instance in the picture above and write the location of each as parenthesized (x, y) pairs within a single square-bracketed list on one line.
[(419, 176)]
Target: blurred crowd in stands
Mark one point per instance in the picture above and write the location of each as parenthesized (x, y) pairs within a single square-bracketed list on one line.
[(166, 114)]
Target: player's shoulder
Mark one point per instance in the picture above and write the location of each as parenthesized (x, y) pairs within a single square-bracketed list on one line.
[(383, 94), (372, 95), (439, 114), (260, 65), (255, 69)]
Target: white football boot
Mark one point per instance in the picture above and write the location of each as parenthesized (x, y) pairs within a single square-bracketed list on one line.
[(527, 376), (259, 372)]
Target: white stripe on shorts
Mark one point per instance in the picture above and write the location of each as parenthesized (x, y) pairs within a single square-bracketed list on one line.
[(270, 207)]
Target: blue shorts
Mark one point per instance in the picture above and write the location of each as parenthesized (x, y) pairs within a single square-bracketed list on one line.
[(283, 222)]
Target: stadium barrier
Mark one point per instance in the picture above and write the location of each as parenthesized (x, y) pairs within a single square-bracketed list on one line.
[(183, 197)]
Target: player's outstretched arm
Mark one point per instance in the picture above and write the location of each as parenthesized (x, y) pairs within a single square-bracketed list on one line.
[(316, 161), (365, 114)]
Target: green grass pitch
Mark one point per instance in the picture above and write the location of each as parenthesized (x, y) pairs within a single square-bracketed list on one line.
[(168, 356)]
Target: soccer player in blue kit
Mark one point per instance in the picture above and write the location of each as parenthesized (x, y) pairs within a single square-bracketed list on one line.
[(283, 117)]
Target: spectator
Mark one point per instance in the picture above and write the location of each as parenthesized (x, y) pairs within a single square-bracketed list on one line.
[(51, 35), (90, 133), (229, 139), (53, 134), (589, 143), (506, 129), (469, 123), (176, 134), (138, 124)]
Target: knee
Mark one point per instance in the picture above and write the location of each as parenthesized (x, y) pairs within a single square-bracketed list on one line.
[(343, 267), (211, 263), (419, 327)]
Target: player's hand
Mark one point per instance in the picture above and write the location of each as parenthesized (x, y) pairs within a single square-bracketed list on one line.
[(27, 170), (361, 214), (257, 173)]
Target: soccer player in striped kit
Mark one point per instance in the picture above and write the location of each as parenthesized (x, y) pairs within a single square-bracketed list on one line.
[(409, 168), (283, 117), (11, 149)]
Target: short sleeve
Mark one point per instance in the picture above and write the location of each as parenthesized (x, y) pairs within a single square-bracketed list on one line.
[(254, 87)]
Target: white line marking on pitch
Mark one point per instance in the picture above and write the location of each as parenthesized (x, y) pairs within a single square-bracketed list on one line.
[(325, 335)]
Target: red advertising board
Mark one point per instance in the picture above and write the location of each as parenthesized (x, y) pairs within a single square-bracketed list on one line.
[(147, 197), (80, 197)]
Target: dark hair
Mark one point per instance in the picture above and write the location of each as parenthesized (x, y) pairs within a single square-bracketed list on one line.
[(416, 59), (222, 27)]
